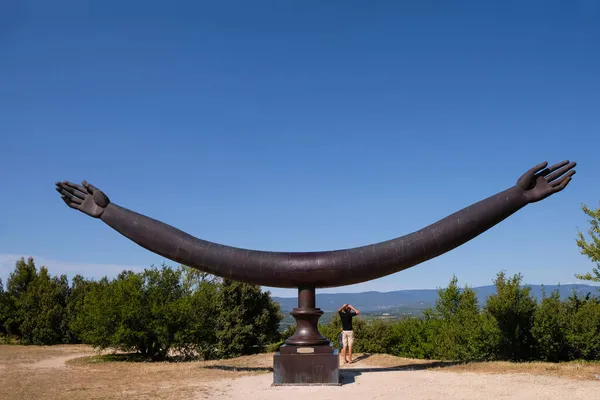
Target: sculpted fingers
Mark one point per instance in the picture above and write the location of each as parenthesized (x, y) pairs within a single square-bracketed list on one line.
[(564, 167), (91, 188), (68, 202), (76, 187), (562, 185), (537, 168), (525, 180), (85, 198), (562, 182), (65, 189), (64, 193), (553, 168), (76, 200)]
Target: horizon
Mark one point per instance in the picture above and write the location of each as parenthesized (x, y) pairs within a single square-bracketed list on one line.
[(294, 126), (279, 292)]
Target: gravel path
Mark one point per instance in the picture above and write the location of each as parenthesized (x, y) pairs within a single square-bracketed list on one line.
[(55, 362), (414, 385), (41, 373)]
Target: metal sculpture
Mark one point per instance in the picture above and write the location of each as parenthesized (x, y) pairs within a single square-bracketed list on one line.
[(309, 270)]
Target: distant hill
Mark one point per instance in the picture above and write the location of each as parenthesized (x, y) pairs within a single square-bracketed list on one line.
[(417, 299)]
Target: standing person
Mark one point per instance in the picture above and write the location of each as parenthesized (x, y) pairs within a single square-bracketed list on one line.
[(346, 313)]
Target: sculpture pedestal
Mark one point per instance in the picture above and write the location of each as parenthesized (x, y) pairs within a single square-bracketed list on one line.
[(306, 365), (307, 357)]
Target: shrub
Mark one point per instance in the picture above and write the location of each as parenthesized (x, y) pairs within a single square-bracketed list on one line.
[(513, 308), (549, 329)]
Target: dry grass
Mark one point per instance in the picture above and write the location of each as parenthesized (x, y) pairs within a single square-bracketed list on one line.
[(76, 372), (47, 373), (580, 370)]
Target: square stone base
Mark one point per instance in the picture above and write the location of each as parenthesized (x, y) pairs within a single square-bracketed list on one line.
[(305, 367)]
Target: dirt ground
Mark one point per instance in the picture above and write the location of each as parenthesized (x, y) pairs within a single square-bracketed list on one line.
[(76, 372)]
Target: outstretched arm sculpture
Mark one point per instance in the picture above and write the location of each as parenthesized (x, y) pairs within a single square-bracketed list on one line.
[(323, 268)]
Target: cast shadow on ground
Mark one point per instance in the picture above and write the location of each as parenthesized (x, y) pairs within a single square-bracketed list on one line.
[(361, 357), (238, 369), (348, 375), (138, 358)]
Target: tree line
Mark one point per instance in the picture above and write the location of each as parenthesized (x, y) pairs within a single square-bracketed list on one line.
[(182, 312), (156, 313), (511, 325)]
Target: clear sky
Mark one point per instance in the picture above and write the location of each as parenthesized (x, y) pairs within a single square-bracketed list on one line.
[(298, 126)]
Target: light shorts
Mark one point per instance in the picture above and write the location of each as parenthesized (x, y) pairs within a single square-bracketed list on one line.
[(347, 338)]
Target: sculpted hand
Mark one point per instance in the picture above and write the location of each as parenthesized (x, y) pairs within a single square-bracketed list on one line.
[(541, 182), (87, 198)]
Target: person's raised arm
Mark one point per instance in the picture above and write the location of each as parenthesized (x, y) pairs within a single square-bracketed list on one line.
[(353, 309)]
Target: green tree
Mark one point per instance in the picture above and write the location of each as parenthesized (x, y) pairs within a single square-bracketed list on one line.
[(591, 249), (98, 316), (134, 312), (80, 287), (550, 329), (575, 301), (377, 336), (457, 328), (9, 318), (248, 319), (21, 277), (198, 313), (583, 332), (411, 334), (3, 309), (163, 295), (42, 310), (513, 309), (18, 282)]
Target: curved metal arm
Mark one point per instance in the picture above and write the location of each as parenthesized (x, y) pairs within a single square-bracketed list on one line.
[(324, 268), (317, 269)]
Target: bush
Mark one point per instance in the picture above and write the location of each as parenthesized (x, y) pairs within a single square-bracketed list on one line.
[(513, 309), (274, 347), (248, 319), (4, 310), (197, 318), (41, 315), (550, 326), (165, 311), (583, 332), (456, 327), (377, 337), (16, 287), (134, 312)]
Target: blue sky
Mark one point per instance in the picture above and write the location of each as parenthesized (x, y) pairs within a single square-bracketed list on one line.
[(297, 126)]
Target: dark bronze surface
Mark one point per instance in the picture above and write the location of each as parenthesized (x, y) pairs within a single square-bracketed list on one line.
[(318, 368), (307, 320), (321, 268)]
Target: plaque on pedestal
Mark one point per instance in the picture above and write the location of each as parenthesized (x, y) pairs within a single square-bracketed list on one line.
[(306, 365)]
